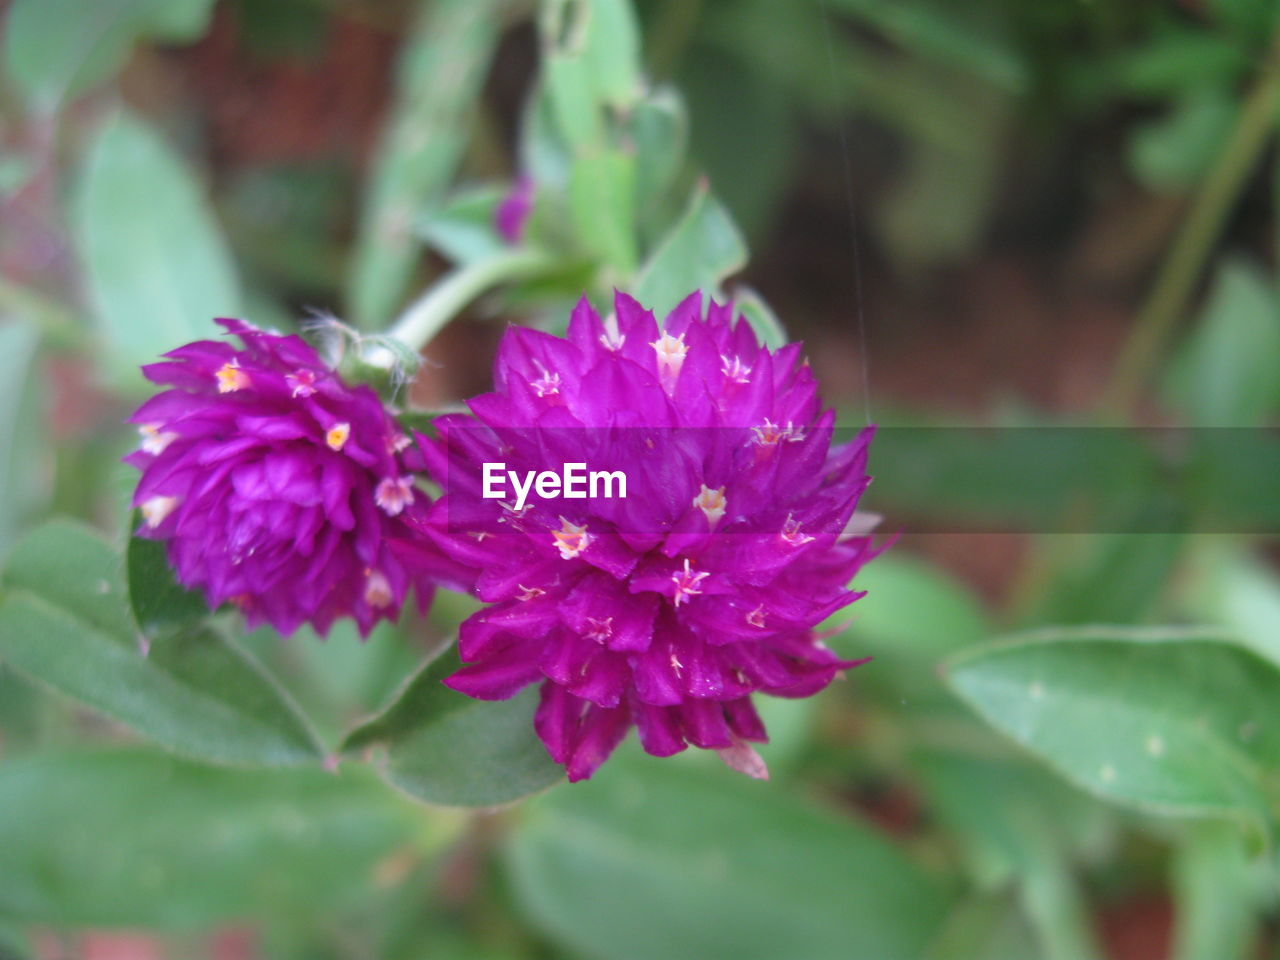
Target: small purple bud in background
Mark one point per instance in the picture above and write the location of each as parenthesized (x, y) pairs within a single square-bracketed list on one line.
[(513, 211)]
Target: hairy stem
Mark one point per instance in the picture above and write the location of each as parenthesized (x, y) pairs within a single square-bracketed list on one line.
[(427, 315)]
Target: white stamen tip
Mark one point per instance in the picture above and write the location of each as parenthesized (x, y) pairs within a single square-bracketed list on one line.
[(155, 509), (154, 439), (393, 494), (570, 539)]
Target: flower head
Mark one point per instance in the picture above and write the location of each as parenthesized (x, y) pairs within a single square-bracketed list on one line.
[(667, 609), (277, 486)]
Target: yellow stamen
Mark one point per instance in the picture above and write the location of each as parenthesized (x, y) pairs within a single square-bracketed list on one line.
[(337, 436), (231, 378)]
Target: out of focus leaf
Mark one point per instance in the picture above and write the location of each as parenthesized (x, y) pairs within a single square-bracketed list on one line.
[(1033, 478), (158, 270), (463, 228), (760, 315), (1253, 20), (660, 129), (733, 101), (159, 602), (1217, 883), (983, 927), (913, 610), (911, 617), (64, 620), (439, 75), (13, 943), (591, 59), (1116, 578), (699, 252), (1239, 591), (732, 869), (24, 461), (1176, 61), (1005, 815), (55, 49), (1170, 721), (445, 748), (935, 212), (1176, 151), (969, 37), (1227, 373), (602, 203), (132, 838)]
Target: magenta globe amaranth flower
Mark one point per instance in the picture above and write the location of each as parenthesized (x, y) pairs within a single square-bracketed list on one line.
[(278, 487), (666, 608)]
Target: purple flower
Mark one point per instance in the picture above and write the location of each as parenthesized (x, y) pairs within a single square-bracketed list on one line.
[(669, 608), (514, 209), (278, 487)]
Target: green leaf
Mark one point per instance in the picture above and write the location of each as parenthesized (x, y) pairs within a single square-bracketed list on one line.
[(445, 748), (157, 268), (25, 461), (1239, 590), (159, 603), (1178, 61), (1115, 578), (1175, 722), (1005, 816), (64, 620), (912, 617), (55, 49), (1177, 150), (462, 229), (914, 608), (439, 75), (699, 252), (1226, 375), (659, 127), (602, 203), (935, 211), (133, 838), (591, 59), (662, 860), (1217, 884), (761, 317), (733, 101), (967, 37)]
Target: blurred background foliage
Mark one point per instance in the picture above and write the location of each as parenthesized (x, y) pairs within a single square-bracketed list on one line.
[(992, 213)]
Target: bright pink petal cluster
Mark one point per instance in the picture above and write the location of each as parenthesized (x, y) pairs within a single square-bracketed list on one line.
[(668, 609), (278, 487)]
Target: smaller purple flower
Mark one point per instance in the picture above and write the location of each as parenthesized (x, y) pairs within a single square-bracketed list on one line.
[(278, 487), (513, 211)]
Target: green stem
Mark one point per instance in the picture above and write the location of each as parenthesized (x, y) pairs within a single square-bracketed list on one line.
[(1057, 912), (1185, 261), (428, 315)]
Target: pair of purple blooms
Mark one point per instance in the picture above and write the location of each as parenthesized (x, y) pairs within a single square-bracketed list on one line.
[(291, 494)]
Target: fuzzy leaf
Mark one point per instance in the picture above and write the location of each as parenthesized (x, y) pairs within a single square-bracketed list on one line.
[(733, 869), (65, 621), (135, 838), (1175, 722), (158, 268), (445, 748)]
